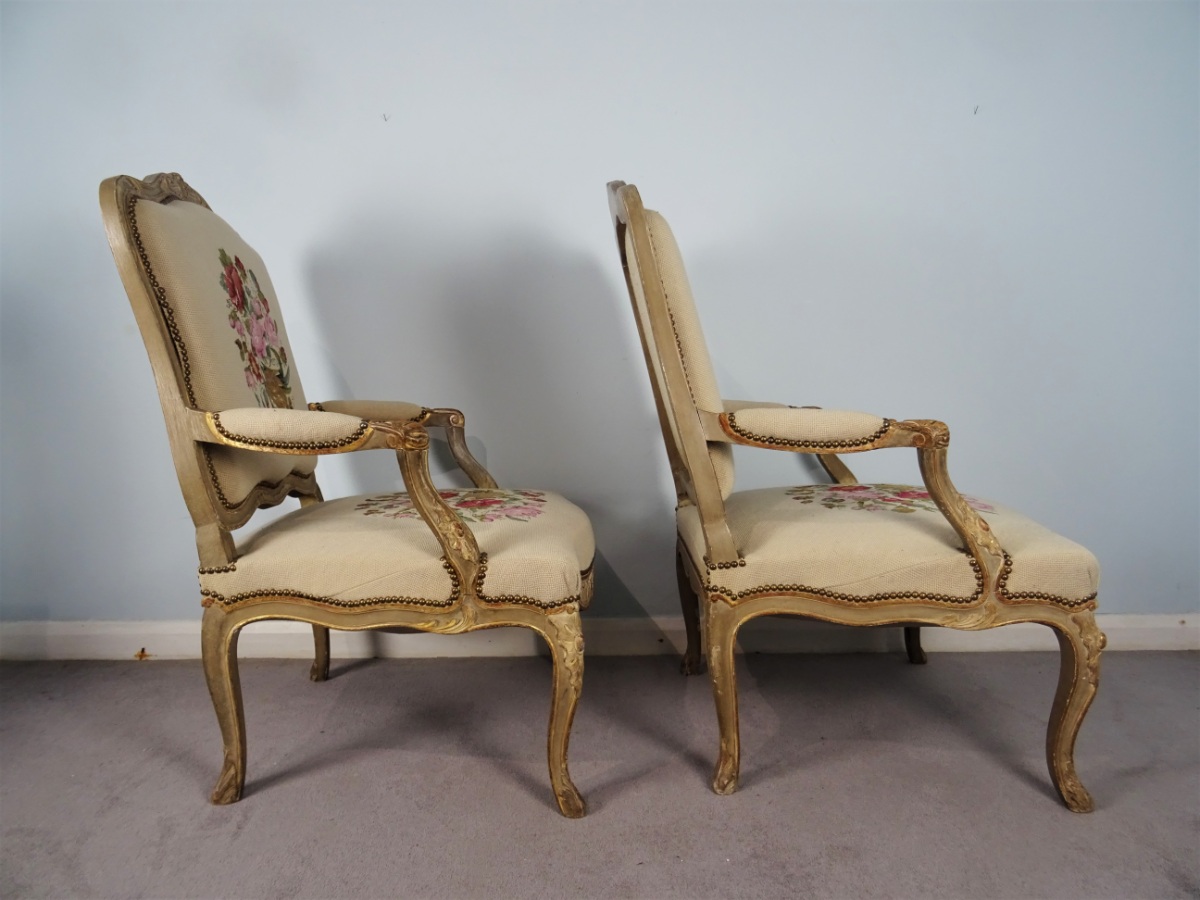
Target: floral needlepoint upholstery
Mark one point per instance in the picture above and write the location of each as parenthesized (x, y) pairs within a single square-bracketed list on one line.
[(901, 498), (471, 505)]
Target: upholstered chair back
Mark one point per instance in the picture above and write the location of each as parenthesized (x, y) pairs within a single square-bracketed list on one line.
[(222, 317), (686, 338)]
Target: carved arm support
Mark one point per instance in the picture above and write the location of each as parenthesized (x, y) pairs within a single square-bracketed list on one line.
[(411, 443), (308, 432), (451, 421), (827, 432)]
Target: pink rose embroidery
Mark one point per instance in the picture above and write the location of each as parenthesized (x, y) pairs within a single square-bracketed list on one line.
[(268, 371)]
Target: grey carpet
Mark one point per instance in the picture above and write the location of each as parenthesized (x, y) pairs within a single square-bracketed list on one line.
[(862, 777)]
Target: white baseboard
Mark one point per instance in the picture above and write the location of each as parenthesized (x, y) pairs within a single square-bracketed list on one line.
[(605, 637)]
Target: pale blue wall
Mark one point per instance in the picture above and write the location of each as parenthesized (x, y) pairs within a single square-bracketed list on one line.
[(985, 213)]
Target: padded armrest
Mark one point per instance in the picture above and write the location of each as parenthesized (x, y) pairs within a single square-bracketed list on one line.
[(288, 430), (374, 410), (775, 425)]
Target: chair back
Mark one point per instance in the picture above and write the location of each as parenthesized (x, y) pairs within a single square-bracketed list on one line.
[(681, 371), (212, 326)]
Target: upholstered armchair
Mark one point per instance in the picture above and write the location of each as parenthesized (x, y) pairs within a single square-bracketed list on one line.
[(843, 552), (242, 439)]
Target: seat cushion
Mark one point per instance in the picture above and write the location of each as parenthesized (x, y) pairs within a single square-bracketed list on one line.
[(868, 543), (375, 550)]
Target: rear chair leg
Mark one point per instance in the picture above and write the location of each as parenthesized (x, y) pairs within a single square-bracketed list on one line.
[(219, 649), (565, 638), (1078, 677), (693, 657), (320, 666), (912, 645)]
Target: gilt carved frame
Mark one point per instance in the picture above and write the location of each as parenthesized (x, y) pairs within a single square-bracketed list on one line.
[(687, 431), (192, 431)]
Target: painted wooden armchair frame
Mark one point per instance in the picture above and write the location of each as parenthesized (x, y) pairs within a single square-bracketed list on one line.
[(694, 434), (332, 427)]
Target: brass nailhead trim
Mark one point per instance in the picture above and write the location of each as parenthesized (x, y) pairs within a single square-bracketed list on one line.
[(234, 599), (739, 563), (711, 588), (363, 425), (211, 596), (217, 570), (671, 315), (518, 598), (160, 295), (1002, 585), (731, 420)]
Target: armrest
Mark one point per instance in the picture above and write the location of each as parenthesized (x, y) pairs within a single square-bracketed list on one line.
[(291, 431), (800, 428), (373, 410)]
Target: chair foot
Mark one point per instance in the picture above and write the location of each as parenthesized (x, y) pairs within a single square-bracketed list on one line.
[(912, 645), (320, 666), (725, 777), (693, 664), (230, 785), (570, 802), (1078, 679)]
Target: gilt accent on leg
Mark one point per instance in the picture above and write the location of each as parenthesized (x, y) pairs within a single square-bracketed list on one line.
[(565, 638), (219, 651), (721, 633), (1078, 679)]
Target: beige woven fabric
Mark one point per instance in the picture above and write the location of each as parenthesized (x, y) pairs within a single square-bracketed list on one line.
[(374, 550), (868, 540), (686, 335), (183, 242), (804, 426), (289, 426), (375, 410), (735, 405)]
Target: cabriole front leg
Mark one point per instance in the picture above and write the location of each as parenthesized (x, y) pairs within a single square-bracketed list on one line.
[(219, 634), (1079, 675), (721, 623), (565, 637)]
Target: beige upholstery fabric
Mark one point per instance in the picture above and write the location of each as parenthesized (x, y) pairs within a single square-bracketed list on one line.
[(375, 550), (373, 410), (184, 243), (291, 428), (816, 427), (869, 541), (687, 334)]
